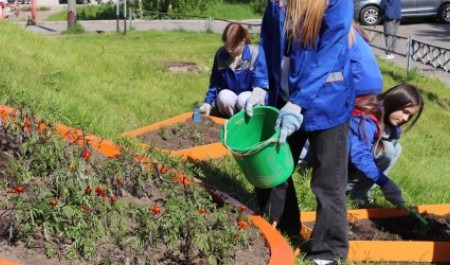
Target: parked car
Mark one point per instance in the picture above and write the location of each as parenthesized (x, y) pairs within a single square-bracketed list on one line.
[(79, 2), (367, 12)]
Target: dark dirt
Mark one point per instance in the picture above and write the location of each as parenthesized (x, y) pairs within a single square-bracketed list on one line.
[(33, 253), (184, 135), (403, 228)]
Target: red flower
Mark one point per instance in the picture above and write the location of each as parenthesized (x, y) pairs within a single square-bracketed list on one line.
[(242, 209), (88, 191), (202, 211), (100, 191), (243, 224), (86, 155), (112, 200), (53, 201), (84, 208), (119, 181), (181, 178), (164, 168), (155, 209), (19, 189)]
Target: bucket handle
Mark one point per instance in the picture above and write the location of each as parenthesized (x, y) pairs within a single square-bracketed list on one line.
[(253, 149)]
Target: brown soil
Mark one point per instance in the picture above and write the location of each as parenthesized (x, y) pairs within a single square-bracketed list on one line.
[(184, 67), (184, 135), (403, 228), (26, 252)]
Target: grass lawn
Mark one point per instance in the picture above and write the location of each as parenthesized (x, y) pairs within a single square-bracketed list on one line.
[(226, 11), (108, 85)]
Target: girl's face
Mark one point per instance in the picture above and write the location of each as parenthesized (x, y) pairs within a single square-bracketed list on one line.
[(401, 116), (235, 51)]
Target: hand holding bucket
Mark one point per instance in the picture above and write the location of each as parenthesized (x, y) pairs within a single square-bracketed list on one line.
[(254, 145), (289, 120)]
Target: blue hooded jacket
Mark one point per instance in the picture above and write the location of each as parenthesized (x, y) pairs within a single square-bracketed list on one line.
[(366, 74), (225, 76), (360, 149), (319, 77)]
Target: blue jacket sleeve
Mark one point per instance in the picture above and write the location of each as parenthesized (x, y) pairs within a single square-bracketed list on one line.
[(214, 82), (360, 149), (319, 62), (260, 71)]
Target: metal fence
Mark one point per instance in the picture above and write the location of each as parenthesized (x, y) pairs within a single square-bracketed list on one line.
[(414, 50)]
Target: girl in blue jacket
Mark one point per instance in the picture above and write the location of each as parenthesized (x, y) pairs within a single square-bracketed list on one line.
[(375, 127), (232, 73), (304, 66)]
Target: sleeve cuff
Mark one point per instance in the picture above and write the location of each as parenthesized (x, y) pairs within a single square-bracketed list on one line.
[(382, 179)]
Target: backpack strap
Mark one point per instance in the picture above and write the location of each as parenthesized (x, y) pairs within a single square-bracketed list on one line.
[(357, 112)]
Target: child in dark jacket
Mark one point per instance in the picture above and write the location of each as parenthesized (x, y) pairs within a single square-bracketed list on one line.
[(375, 127)]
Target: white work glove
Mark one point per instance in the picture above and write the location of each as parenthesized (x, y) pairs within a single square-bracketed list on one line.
[(258, 97), (289, 120), (393, 194), (205, 108)]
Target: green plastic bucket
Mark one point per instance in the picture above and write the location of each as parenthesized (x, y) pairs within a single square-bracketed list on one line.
[(254, 145)]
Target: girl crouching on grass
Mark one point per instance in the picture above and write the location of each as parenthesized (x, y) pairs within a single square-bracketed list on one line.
[(232, 73), (375, 127)]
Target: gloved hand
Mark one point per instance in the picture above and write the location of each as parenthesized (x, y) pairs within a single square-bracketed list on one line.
[(289, 120), (393, 194), (258, 97), (205, 108)]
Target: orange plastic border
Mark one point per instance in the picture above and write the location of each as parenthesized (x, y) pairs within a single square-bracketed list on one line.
[(280, 250), (199, 153), (395, 251), (106, 147)]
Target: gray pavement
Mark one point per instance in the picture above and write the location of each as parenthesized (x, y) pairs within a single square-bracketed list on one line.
[(55, 28)]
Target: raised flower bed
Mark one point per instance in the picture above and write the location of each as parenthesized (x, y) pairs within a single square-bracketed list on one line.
[(396, 250), (280, 251), (200, 152)]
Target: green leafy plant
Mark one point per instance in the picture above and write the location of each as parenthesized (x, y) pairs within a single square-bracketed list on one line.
[(70, 200)]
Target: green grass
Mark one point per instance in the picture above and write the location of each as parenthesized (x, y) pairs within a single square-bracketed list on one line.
[(107, 11), (108, 84), (234, 12)]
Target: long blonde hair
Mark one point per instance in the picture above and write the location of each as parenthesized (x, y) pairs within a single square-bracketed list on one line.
[(352, 36), (304, 19)]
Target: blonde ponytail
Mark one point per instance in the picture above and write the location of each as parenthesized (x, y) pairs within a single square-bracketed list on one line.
[(304, 19)]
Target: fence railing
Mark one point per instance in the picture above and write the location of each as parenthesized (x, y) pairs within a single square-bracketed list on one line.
[(414, 50)]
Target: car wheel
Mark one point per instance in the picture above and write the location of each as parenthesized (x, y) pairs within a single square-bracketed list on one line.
[(369, 15), (444, 14)]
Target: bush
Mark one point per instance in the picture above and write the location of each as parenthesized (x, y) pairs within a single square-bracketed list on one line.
[(258, 6), (190, 7)]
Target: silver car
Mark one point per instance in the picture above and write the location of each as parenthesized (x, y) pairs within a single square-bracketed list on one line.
[(367, 12)]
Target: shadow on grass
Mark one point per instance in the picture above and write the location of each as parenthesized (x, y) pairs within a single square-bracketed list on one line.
[(224, 175)]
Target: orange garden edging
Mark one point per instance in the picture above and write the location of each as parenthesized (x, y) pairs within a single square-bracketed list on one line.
[(280, 250), (199, 153), (395, 251)]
